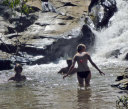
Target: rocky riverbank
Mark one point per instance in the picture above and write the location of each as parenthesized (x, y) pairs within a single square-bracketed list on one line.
[(42, 35), (45, 36)]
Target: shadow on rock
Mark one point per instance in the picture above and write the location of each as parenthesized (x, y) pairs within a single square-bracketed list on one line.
[(66, 48)]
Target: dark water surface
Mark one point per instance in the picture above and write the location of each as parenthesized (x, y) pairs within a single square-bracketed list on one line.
[(45, 89)]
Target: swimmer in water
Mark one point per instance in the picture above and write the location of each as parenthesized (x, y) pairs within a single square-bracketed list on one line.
[(18, 77), (83, 71), (66, 69)]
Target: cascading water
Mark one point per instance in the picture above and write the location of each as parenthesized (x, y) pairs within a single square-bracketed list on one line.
[(111, 43), (48, 7), (46, 89)]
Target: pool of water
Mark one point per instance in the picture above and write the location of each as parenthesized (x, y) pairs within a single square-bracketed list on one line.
[(45, 89)]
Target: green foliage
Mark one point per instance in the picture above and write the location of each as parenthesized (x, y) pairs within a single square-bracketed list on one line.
[(21, 7), (6, 2), (16, 2), (11, 3), (122, 102), (21, 4), (25, 9)]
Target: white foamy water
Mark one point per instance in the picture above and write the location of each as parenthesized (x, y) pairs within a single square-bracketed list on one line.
[(45, 89), (115, 37)]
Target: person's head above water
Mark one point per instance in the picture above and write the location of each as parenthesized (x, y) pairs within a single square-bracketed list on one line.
[(81, 47), (18, 68), (69, 62)]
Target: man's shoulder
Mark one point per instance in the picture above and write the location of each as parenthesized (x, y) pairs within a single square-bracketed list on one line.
[(86, 54)]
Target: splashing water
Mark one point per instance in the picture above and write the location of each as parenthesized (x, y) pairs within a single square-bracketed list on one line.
[(45, 89), (113, 38)]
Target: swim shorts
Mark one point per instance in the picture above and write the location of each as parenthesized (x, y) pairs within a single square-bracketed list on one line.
[(83, 74)]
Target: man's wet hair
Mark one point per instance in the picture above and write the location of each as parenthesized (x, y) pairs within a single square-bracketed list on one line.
[(69, 61), (17, 67)]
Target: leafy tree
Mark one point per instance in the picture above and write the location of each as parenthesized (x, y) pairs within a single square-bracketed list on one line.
[(21, 4), (22, 8)]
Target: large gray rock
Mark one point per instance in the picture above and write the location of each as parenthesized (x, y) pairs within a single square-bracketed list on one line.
[(60, 47), (109, 8), (122, 81), (126, 57), (45, 37), (67, 47), (5, 65)]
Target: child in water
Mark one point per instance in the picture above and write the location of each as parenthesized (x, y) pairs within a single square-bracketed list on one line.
[(65, 69), (83, 71), (18, 77)]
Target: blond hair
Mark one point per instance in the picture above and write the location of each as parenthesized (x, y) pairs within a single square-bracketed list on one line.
[(80, 47)]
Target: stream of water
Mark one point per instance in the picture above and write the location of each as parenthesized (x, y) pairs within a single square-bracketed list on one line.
[(45, 89)]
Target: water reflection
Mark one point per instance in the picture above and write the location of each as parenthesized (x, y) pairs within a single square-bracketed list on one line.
[(46, 90), (17, 96), (84, 96)]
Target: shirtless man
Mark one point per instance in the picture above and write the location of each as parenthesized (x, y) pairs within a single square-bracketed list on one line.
[(66, 69), (83, 71), (18, 77)]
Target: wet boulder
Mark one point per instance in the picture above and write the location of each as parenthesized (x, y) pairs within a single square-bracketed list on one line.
[(5, 65), (123, 84), (87, 36), (122, 81), (114, 53), (22, 23), (126, 57), (66, 48), (92, 4), (47, 36), (5, 11), (106, 7), (121, 77)]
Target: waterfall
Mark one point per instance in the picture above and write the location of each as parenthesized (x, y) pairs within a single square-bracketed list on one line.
[(112, 42), (48, 7)]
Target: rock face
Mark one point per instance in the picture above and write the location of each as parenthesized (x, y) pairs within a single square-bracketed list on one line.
[(35, 3), (5, 64), (44, 37), (67, 47), (126, 57), (92, 4), (60, 47)]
